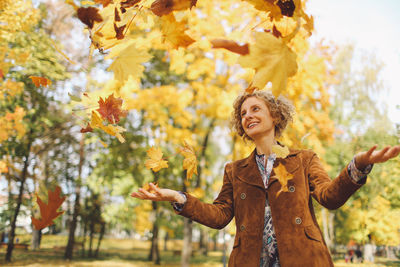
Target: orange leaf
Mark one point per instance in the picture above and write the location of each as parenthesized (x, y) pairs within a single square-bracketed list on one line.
[(40, 81), (155, 161), (148, 188), (231, 46), (190, 161), (110, 109), (174, 32), (88, 15), (164, 7), (88, 128), (103, 2), (48, 212), (283, 176)]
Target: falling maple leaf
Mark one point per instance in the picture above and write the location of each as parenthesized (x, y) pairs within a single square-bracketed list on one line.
[(110, 109), (164, 7), (127, 61), (280, 151), (155, 161), (87, 129), (272, 60), (174, 32), (89, 15), (129, 3), (103, 2), (190, 161), (283, 177), (97, 122), (274, 12), (231, 46), (48, 212), (40, 81)]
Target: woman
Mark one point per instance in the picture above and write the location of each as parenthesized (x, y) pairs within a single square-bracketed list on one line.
[(269, 196)]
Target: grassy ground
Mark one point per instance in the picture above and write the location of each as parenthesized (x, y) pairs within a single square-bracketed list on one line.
[(124, 253)]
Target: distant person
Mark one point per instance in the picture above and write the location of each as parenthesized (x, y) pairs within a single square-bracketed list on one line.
[(369, 250), (271, 196)]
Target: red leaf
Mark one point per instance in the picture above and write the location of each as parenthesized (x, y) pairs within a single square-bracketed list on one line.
[(88, 15), (88, 128), (1, 74), (110, 109), (48, 212), (231, 46)]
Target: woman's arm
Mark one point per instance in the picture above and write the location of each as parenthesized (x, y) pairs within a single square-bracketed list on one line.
[(334, 193), (216, 215)]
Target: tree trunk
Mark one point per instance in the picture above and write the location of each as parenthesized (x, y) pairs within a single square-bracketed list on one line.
[(102, 231), (71, 237), (154, 250), (327, 224), (203, 242), (91, 239), (35, 244), (10, 246), (84, 237), (187, 242), (166, 237)]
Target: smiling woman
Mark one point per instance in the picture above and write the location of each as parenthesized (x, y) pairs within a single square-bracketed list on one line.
[(270, 192)]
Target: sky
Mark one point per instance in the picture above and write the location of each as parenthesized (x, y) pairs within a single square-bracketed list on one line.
[(372, 26)]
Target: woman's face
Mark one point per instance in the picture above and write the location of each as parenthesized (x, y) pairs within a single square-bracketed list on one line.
[(256, 118)]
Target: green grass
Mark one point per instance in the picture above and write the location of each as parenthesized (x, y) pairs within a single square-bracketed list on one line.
[(124, 252)]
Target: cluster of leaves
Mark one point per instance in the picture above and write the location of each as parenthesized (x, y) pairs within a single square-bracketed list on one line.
[(112, 25), (156, 161)]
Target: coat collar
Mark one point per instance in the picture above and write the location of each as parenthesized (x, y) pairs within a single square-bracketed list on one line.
[(248, 170)]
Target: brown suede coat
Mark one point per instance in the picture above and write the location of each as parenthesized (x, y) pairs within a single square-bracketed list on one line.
[(243, 195)]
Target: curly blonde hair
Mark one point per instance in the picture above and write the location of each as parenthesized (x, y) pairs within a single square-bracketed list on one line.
[(281, 110)]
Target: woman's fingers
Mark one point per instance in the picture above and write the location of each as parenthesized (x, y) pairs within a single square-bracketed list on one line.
[(369, 152)]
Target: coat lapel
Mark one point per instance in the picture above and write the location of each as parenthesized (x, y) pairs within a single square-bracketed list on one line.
[(248, 171)]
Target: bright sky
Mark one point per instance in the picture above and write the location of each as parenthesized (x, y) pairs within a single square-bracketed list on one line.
[(371, 25)]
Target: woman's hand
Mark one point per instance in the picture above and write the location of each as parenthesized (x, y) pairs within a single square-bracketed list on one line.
[(158, 194), (363, 159)]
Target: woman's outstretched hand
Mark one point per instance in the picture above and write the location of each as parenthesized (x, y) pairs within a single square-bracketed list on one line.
[(363, 159), (158, 194)]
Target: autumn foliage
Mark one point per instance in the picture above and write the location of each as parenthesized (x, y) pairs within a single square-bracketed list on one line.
[(48, 212)]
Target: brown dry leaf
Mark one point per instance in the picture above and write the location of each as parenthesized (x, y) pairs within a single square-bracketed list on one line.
[(40, 81), (283, 177), (190, 161), (231, 46), (48, 212), (164, 7), (110, 109), (87, 129), (272, 60), (89, 15), (155, 161), (174, 32)]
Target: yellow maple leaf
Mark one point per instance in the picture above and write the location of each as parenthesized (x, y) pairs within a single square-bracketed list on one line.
[(174, 32), (272, 60), (267, 6), (190, 161), (155, 161), (283, 176), (128, 61), (280, 151), (97, 122)]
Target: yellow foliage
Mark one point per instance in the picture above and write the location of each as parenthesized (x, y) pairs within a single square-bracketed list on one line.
[(155, 161)]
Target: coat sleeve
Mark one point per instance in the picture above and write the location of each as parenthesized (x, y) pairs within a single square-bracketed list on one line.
[(216, 215), (331, 194)]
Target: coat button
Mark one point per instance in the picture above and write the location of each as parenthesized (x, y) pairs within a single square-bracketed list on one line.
[(242, 228), (298, 220), (292, 188), (242, 195)]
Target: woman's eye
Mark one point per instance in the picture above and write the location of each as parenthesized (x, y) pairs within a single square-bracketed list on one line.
[(255, 108)]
